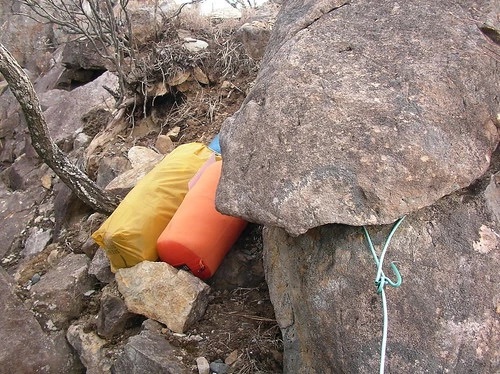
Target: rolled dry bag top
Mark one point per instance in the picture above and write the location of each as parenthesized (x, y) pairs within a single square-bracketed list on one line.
[(130, 233), (198, 236)]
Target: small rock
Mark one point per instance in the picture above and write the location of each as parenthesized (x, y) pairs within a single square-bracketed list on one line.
[(58, 296), (90, 247), (100, 267), (149, 352), (35, 278), (152, 325), (140, 156), (164, 144), (219, 367), (203, 365), (113, 314), (232, 358), (81, 140), (173, 134), (194, 45), (47, 181), (89, 348), (36, 241), (159, 291)]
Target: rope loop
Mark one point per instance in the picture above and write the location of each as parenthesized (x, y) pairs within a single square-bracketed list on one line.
[(381, 280)]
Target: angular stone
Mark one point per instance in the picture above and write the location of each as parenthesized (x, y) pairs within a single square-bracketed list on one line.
[(37, 241), (123, 183), (90, 348), (111, 168), (254, 36), (349, 134), (200, 75), (24, 347), (203, 365), (140, 156), (149, 352), (164, 144), (100, 267), (64, 111), (174, 133), (219, 367), (242, 266), (443, 318), (16, 211), (161, 292), (113, 313), (58, 296)]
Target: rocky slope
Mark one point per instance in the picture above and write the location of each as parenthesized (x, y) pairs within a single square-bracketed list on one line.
[(64, 311)]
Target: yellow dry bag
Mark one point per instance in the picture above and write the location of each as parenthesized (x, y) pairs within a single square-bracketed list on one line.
[(130, 233)]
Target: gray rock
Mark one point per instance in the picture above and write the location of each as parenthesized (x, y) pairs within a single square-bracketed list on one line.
[(3, 86), (381, 123), (147, 353), (78, 54), (90, 348), (219, 367), (161, 292), (443, 318), (254, 36), (142, 160), (58, 296), (111, 168), (242, 266), (64, 111), (140, 156), (194, 45), (100, 267), (37, 240), (16, 211), (24, 347), (113, 313), (203, 365), (30, 47)]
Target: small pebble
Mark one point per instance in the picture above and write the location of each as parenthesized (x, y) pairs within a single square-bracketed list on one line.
[(219, 367), (35, 278), (203, 365)]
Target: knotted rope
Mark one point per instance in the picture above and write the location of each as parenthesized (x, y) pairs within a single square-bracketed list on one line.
[(381, 280)]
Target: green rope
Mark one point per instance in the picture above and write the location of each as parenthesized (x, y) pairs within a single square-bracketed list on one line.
[(381, 280)]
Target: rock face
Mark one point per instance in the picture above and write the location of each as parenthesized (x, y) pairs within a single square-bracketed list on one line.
[(443, 318), (352, 127)]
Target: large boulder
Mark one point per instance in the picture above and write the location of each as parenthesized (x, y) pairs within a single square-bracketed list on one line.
[(443, 319), (361, 113)]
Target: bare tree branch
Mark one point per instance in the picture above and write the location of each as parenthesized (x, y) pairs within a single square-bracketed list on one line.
[(74, 178)]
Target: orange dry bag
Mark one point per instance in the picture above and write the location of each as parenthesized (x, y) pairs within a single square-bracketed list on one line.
[(198, 236)]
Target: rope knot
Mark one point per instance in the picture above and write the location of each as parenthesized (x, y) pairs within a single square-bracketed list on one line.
[(381, 280)]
